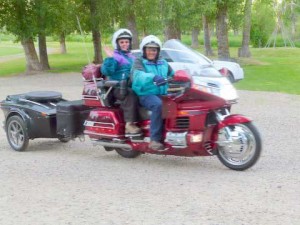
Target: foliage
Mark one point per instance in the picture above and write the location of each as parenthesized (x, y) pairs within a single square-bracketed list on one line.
[(263, 23), (236, 16), (22, 21)]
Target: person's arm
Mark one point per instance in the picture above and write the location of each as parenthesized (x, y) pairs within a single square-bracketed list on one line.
[(139, 76), (109, 66)]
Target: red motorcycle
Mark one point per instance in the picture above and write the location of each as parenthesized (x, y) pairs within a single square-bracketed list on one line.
[(196, 123)]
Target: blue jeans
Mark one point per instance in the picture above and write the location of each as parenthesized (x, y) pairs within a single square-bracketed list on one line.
[(153, 103)]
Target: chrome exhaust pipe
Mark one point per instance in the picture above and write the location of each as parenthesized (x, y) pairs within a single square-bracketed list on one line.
[(113, 145)]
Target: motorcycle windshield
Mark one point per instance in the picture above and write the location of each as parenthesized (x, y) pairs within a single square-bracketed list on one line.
[(182, 57)]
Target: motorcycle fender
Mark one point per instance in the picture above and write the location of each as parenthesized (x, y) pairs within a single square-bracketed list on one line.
[(233, 119)]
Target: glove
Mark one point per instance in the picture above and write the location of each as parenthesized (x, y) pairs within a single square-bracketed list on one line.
[(159, 80)]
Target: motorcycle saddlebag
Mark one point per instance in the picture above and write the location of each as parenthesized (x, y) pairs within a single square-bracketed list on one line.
[(70, 117)]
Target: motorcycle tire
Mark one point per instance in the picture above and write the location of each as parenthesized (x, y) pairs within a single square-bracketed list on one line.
[(16, 133), (129, 154), (245, 149)]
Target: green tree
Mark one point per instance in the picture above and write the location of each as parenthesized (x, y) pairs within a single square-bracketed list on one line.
[(19, 18), (222, 26), (64, 13), (172, 12), (263, 22), (244, 51)]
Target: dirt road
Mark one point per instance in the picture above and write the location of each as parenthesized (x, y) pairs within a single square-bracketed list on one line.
[(78, 183)]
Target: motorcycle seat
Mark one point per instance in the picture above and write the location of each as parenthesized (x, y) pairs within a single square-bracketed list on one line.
[(39, 96)]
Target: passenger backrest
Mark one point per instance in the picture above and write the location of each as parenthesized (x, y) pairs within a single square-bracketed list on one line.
[(91, 74)]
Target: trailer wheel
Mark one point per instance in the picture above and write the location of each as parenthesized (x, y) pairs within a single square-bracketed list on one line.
[(63, 139), (16, 133)]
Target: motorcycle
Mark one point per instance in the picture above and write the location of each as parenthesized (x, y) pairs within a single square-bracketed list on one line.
[(197, 121)]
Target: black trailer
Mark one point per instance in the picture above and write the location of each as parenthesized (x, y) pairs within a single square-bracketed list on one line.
[(42, 114)]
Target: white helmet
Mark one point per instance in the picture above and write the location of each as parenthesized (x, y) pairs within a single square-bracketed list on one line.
[(121, 33), (150, 41)]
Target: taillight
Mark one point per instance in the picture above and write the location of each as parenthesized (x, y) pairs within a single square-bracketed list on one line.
[(224, 72)]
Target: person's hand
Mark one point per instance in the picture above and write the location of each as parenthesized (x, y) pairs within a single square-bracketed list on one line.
[(159, 80), (108, 51)]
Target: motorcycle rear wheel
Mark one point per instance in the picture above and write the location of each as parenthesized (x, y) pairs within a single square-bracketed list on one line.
[(244, 150), (127, 153)]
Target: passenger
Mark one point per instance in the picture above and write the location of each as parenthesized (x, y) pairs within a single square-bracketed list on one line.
[(117, 67), (149, 77)]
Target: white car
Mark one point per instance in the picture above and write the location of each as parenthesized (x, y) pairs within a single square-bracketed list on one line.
[(204, 74), (231, 70)]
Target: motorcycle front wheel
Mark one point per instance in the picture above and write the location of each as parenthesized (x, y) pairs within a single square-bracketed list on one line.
[(239, 146)]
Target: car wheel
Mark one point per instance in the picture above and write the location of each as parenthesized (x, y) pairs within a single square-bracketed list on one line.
[(230, 77)]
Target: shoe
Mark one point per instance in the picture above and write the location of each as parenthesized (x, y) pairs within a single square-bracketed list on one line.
[(130, 128), (157, 146)]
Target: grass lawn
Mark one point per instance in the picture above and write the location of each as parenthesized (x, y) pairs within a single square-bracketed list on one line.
[(276, 70), (10, 48), (271, 69)]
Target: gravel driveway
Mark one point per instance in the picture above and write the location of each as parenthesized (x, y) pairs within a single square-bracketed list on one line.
[(78, 183)]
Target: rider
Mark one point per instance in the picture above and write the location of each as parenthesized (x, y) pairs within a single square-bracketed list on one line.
[(149, 77), (117, 67)]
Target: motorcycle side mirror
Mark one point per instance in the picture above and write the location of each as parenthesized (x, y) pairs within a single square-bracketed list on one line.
[(181, 76)]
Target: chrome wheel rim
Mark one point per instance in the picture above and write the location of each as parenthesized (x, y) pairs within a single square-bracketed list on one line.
[(240, 149), (16, 134)]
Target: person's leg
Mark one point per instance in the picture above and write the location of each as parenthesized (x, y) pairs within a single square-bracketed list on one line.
[(129, 106), (154, 104)]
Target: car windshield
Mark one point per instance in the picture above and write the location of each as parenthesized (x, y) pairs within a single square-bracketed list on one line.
[(178, 52), (181, 57)]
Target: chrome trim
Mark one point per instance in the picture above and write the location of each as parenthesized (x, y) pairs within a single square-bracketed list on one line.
[(113, 145), (175, 146), (89, 97), (106, 135), (95, 122), (106, 94), (25, 100), (178, 140)]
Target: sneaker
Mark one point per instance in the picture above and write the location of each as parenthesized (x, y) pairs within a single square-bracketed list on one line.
[(157, 146), (130, 128)]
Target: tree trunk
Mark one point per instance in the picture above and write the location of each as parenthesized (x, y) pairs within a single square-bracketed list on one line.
[(293, 20), (222, 31), (62, 41), (195, 34), (97, 47), (131, 24), (32, 61), (207, 43), (235, 32), (43, 52), (95, 32), (244, 51), (172, 30)]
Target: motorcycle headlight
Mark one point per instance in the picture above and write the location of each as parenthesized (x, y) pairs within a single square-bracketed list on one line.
[(206, 88)]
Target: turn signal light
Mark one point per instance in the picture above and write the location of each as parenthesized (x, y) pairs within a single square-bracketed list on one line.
[(195, 138)]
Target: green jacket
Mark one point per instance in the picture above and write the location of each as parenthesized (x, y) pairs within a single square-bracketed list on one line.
[(143, 72), (114, 67)]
